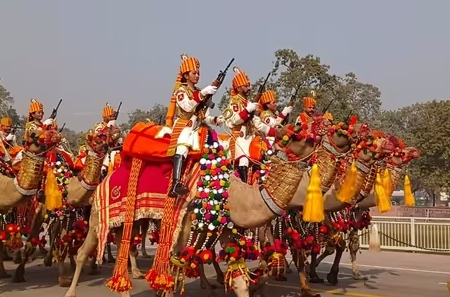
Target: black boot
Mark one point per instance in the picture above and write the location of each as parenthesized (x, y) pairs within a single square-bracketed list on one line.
[(243, 172), (178, 189)]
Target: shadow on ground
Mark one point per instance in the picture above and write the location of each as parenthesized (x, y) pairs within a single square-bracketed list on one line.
[(39, 277)]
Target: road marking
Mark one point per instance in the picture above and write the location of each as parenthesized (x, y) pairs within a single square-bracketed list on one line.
[(332, 292), (395, 268), (442, 284)]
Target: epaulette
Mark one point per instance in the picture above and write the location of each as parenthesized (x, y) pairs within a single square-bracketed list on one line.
[(265, 114)]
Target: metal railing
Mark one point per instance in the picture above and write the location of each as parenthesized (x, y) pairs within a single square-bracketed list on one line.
[(411, 234)]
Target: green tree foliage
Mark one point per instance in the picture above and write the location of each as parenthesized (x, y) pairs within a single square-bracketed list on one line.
[(157, 114), (342, 95)]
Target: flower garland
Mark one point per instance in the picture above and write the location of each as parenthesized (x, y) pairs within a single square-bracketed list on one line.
[(210, 203), (12, 235)]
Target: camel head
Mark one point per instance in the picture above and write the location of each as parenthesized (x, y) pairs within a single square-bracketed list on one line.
[(372, 148), (300, 140), (345, 134), (401, 155), (100, 142), (43, 141)]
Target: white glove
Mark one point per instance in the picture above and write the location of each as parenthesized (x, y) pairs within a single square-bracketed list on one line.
[(48, 122), (251, 107), (111, 123), (10, 137), (208, 90), (220, 120), (287, 110), (164, 131)]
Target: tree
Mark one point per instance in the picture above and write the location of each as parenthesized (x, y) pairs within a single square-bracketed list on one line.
[(157, 114), (341, 96)]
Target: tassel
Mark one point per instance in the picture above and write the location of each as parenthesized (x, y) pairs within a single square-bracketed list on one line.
[(347, 190), (383, 201), (410, 200), (387, 182), (374, 240), (313, 210), (53, 196), (110, 166)]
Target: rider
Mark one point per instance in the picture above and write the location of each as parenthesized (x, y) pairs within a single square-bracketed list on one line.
[(268, 105), (9, 142), (35, 126), (309, 109), (184, 134), (242, 123)]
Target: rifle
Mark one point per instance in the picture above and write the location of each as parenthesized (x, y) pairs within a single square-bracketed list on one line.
[(116, 115), (62, 128), (261, 89), (55, 110), (291, 102), (207, 102)]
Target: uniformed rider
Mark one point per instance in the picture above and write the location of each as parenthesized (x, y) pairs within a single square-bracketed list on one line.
[(309, 109), (184, 135), (242, 122)]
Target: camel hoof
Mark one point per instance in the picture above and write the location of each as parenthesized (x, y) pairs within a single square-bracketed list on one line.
[(203, 286), (309, 293), (136, 274), (5, 275), (316, 280), (64, 282), (360, 277), (48, 262), (332, 278)]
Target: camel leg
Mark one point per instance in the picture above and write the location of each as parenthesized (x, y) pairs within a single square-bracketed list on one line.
[(353, 248), (204, 282), (73, 264), (89, 244), (111, 258), (17, 256), (64, 279), (332, 276), (19, 273), (135, 272), (3, 273), (313, 276), (305, 289), (145, 223), (5, 256)]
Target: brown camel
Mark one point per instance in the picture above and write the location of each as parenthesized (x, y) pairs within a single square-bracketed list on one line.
[(249, 213), (25, 184)]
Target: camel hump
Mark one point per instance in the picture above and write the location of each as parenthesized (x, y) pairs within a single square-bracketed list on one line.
[(141, 142)]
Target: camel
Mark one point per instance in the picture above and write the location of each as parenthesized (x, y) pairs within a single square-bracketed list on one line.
[(340, 144), (89, 177), (395, 164), (20, 189), (253, 207)]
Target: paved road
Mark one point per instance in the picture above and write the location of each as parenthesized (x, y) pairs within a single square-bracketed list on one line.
[(390, 275)]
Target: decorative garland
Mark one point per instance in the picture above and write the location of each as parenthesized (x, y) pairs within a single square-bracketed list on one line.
[(12, 235), (210, 204)]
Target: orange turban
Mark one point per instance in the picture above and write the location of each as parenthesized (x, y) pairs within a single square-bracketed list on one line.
[(310, 101), (108, 111), (35, 106), (267, 96), (240, 79), (187, 64), (6, 122)]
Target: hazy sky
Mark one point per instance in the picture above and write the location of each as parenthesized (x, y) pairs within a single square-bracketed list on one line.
[(98, 51)]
